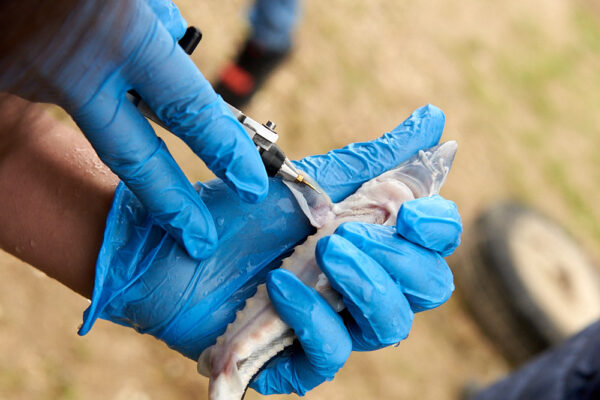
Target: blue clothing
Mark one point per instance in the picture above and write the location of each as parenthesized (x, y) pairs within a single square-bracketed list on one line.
[(570, 371), (273, 22)]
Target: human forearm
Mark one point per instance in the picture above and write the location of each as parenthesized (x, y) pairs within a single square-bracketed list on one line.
[(54, 194)]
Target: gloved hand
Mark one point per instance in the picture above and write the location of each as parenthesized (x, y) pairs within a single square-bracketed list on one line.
[(146, 281), (383, 273), (88, 62)]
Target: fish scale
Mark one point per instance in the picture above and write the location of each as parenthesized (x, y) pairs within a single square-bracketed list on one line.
[(258, 334)]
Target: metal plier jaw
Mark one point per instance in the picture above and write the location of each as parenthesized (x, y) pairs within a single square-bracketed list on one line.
[(263, 135)]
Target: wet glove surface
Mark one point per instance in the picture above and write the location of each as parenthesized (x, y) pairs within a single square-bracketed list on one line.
[(88, 62), (384, 274)]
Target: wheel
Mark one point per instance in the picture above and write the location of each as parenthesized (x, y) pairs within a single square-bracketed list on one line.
[(527, 282)]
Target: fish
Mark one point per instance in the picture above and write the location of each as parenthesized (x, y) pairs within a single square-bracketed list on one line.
[(258, 334)]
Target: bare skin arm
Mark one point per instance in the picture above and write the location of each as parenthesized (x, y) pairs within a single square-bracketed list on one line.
[(55, 194)]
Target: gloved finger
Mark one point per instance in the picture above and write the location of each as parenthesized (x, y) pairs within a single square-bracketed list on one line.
[(168, 13), (143, 162), (340, 172), (170, 83), (321, 332), (432, 222), (289, 373), (421, 274), (381, 313)]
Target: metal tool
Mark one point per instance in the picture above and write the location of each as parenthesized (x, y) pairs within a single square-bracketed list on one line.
[(263, 135), (274, 159)]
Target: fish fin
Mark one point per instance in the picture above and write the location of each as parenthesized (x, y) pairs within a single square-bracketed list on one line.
[(229, 387), (426, 171), (315, 204)]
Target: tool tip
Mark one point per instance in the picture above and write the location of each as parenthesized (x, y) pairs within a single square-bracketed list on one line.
[(301, 179)]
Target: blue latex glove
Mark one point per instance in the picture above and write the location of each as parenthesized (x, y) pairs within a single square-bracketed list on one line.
[(384, 274), (146, 281), (87, 63)]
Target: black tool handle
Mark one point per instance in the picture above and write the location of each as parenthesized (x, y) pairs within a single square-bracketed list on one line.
[(190, 39), (272, 159)]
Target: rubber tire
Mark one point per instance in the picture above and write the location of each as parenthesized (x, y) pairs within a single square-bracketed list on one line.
[(487, 280)]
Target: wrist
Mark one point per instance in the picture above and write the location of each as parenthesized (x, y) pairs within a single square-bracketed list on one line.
[(115, 239)]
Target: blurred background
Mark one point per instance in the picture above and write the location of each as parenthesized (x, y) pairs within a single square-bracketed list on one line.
[(519, 82)]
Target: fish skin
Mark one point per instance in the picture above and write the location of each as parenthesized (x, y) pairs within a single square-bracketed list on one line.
[(258, 334)]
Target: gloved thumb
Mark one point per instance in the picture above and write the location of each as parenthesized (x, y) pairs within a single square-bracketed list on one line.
[(340, 172)]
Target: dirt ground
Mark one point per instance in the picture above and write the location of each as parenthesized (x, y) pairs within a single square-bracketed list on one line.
[(520, 85)]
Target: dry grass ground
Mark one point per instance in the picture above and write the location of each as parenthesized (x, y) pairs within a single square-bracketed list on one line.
[(520, 85)]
